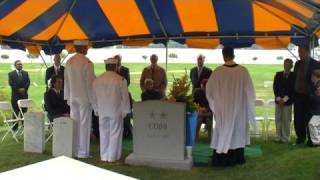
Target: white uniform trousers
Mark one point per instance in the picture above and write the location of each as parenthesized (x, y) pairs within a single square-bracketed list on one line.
[(110, 138), (82, 114)]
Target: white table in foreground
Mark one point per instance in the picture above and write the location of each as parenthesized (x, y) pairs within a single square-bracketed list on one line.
[(61, 168)]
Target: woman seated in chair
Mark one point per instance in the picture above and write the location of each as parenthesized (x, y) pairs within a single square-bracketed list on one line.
[(54, 100), (150, 93)]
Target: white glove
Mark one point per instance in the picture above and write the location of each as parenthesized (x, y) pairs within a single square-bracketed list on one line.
[(285, 99)]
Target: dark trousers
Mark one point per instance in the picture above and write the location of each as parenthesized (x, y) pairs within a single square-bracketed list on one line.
[(302, 116), (95, 125), (127, 127), (52, 117), (232, 158)]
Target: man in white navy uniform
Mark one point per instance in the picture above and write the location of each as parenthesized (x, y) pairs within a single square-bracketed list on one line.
[(78, 77), (112, 104)]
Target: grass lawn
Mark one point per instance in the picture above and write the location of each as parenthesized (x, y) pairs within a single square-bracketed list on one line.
[(278, 161)]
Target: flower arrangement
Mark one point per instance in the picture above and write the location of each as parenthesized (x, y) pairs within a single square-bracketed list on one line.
[(179, 93)]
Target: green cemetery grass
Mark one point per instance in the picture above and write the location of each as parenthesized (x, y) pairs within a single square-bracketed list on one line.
[(273, 161)]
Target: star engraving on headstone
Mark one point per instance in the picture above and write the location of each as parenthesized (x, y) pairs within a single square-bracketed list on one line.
[(152, 115), (163, 115)]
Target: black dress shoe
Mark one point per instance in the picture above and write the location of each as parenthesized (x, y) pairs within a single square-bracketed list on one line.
[(310, 144), (299, 141)]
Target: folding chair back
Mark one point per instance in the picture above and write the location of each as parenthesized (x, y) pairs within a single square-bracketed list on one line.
[(259, 103), (6, 107), (48, 124), (24, 103), (270, 104)]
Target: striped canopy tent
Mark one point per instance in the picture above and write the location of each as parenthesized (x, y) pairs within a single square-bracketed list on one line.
[(52, 25)]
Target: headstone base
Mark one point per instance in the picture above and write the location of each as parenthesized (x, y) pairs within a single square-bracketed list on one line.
[(34, 132), (159, 163), (62, 143)]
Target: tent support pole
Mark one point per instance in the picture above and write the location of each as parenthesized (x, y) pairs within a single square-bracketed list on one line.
[(288, 49), (44, 62), (65, 58), (292, 53), (265, 35), (315, 8), (311, 46), (64, 18), (166, 56), (158, 18), (315, 30)]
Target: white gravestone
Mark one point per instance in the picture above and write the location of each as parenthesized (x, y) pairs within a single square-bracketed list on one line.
[(62, 144), (34, 137), (159, 135)]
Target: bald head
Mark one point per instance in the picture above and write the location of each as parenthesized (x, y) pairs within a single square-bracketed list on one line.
[(119, 58), (153, 59), (200, 60)]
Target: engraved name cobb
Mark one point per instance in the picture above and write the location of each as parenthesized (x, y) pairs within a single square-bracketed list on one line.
[(157, 117)]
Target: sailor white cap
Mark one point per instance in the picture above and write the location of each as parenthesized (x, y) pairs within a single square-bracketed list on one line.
[(111, 61)]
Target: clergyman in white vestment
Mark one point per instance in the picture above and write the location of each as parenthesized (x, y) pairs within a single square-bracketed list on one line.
[(231, 97), (112, 104), (78, 77)]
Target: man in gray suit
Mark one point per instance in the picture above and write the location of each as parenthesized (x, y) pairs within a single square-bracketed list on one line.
[(198, 73)]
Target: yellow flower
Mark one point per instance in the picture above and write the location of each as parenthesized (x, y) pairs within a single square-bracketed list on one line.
[(179, 92)]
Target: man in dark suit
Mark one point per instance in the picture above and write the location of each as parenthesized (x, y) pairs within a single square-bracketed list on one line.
[(19, 82), (283, 88), (54, 100), (205, 113), (56, 69), (197, 74), (125, 73), (303, 86)]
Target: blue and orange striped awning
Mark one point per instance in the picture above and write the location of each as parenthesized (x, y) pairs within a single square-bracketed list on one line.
[(52, 25)]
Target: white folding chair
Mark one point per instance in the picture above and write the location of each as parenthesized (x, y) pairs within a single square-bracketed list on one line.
[(48, 124), (24, 103), (259, 103), (5, 107), (270, 104)]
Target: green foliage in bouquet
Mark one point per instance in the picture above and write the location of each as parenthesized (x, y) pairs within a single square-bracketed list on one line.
[(179, 93)]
